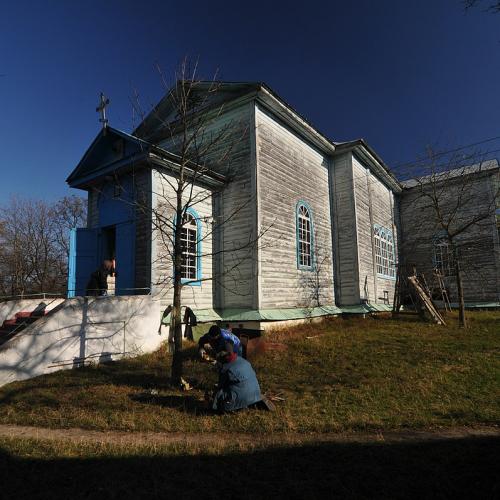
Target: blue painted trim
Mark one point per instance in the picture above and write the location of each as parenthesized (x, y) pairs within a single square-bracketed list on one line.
[(197, 281), (72, 263), (388, 232), (299, 204)]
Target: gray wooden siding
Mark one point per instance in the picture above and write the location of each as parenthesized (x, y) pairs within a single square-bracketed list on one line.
[(200, 297), (478, 245), (92, 208), (374, 205), (288, 171), (142, 216), (345, 232), (236, 219)]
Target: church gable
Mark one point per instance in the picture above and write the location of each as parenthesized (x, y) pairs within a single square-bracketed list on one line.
[(205, 95), (109, 149)]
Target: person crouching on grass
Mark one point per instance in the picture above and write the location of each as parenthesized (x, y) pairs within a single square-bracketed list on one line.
[(238, 387)]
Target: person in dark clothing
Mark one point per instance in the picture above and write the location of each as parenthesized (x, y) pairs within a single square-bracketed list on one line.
[(218, 340), (238, 387), (98, 282)]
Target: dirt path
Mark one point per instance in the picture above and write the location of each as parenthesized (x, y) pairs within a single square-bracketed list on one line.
[(123, 438)]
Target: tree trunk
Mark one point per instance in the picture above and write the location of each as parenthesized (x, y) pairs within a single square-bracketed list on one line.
[(176, 323), (462, 321)]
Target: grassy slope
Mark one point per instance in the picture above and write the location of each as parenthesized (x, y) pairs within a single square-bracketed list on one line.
[(357, 374)]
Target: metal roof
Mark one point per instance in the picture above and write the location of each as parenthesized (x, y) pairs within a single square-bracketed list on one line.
[(444, 175)]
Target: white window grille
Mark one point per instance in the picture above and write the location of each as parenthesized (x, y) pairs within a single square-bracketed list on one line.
[(304, 237), (384, 252), (189, 239), (443, 257)]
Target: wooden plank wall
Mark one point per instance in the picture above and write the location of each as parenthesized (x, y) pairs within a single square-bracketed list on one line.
[(479, 245), (236, 219), (200, 297), (345, 232), (92, 208), (142, 216), (290, 170), (374, 205)]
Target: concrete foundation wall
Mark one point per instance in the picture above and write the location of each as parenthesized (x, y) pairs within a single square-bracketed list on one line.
[(10, 308), (82, 330)]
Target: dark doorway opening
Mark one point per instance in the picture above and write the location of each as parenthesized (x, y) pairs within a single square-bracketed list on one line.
[(109, 243)]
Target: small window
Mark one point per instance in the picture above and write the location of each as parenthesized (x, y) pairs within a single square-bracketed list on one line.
[(304, 237), (189, 239), (444, 260), (384, 252)]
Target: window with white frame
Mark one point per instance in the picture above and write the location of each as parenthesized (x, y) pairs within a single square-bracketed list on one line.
[(384, 252), (189, 239), (444, 260), (304, 237)]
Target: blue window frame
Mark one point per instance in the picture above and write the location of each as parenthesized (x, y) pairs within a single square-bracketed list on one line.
[(191, 248), (385, 261), (304, 236)]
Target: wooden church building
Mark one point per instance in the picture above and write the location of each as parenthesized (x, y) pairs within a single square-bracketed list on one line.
[(288, 225)]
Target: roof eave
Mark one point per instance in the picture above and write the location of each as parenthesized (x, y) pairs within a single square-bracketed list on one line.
[(148, 159), (363, 149), (293, 119)]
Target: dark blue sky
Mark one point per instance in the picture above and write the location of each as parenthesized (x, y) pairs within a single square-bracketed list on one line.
[(401, 74)]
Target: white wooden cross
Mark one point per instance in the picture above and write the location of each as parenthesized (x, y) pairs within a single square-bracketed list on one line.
[(102, 109)]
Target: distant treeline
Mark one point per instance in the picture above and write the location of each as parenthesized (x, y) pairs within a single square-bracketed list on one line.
[(34, 244)]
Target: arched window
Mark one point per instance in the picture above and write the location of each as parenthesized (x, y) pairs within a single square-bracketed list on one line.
[(305, 250), (384, 252), (191, 248), (443, 257)]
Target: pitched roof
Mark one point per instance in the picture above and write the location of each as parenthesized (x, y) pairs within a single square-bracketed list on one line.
[(361, 146), (445, 175), (102, 157), (233, 91), (268, 98)]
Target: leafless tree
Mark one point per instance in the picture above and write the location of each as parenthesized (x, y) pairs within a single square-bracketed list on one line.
[(205, 145), (34, 244), (452, 208), (316, 283), (491, 5)]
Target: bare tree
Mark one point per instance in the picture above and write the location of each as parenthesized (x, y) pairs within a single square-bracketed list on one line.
[(452, 210), (205, 145), (315, 283), (34, 244), (491, 5)]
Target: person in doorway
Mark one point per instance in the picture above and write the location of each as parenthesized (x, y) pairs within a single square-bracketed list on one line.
[(98, 282), (219, 340), (238, 386)]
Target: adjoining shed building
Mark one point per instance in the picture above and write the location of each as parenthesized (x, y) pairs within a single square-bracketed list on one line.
[(468, 202), (331, 214)]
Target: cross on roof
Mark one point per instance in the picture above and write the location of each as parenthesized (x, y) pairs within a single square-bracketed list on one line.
[(102, 110)]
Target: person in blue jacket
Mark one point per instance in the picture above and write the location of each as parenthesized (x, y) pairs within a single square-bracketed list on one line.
[(220, 340), (238, 387)]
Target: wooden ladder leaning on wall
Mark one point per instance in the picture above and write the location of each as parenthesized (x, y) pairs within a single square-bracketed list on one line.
[(438, 277), (426, 300)]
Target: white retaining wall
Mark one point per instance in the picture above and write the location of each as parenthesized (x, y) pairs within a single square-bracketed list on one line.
[(10, 308), (82, 329)]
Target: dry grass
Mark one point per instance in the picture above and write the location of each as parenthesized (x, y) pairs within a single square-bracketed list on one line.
[(354, 374)]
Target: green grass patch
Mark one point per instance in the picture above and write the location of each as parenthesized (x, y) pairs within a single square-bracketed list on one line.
[(353, 374)]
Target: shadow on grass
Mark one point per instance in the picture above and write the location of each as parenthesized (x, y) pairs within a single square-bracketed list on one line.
[(184, 403), (439, 469)]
